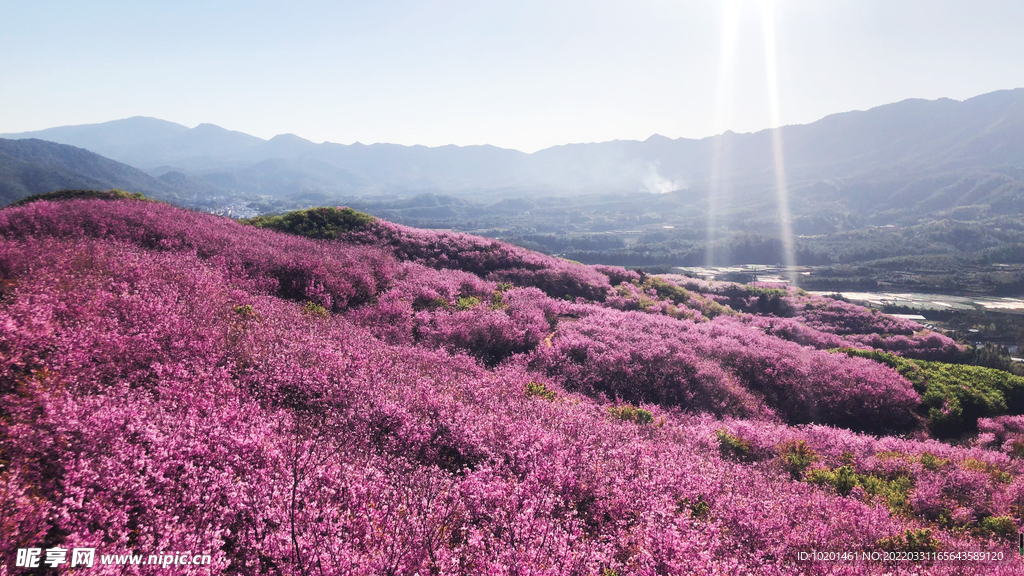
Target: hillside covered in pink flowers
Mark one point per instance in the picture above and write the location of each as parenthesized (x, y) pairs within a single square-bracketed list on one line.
[(326, 393)]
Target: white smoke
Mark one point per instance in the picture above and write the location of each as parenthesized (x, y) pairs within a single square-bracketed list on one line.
[(658, 184)]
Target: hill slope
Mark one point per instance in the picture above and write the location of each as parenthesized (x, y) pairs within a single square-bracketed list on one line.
[(35, 167), (398, 401)]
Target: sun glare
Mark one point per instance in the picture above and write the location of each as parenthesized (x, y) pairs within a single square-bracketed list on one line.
[(719, 185), (781, 190)]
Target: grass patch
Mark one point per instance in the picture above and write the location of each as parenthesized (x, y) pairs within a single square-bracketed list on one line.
[(630, 413), (731, 446), (954, 396), (322, 223), (893, 492), (920, 540), (467, 302), (314, 309), (540, 390), (61, 195), (797, 456)]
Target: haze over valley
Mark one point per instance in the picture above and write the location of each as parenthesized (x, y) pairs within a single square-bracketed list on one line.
[(938, 183)]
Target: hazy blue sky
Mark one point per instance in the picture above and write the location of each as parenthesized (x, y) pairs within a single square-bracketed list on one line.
[(518, 74)]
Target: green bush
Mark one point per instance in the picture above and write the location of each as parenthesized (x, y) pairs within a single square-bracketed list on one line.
[(893, 491), (954, 396), (438, 303), (467, 302), (644, 303), (699, 510), (539, 389), (245, 311), (59, 195), (1002, 526), (667, 291), (797, 456), (731, 446), (847, 458), (314, 309), (712, 309), (498, 301), (995, 472), (846, 479), (931, 462), (920, 540), (630, 413), (322, 223)]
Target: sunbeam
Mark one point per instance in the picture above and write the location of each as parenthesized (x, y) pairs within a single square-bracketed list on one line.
[(718, 187), (781, 191)]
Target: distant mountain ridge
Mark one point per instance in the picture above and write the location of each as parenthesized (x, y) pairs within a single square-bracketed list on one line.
[(33, 166), (879, 159)]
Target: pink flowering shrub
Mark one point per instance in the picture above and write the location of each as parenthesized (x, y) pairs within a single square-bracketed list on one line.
[(167, 396), (637, 357), (330, 274), (617, 275), (1004, 433), (934, 482), (726, 368), (921, 346), (490, 259), (817, 321), (840, 317), (489, 332)]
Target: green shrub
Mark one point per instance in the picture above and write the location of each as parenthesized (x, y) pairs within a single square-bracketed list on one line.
[(322, 223), (539, 389), (920, 540), (932, 462), (1017, 449), (59, 195), (995, 472), (630, 413), (893, 491), (712, 309), (498, 301), (846, 479), (314, 309), (644, 303), (797, 456), (1002, 526), (245, 311), (667, 291), (954, 396), (731, 446), (699, 510), (467, 302)]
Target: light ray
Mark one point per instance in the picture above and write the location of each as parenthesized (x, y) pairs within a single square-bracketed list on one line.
[(781, 190), (724, 107)]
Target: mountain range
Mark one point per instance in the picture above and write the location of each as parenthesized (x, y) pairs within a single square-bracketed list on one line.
[(923, 155)]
